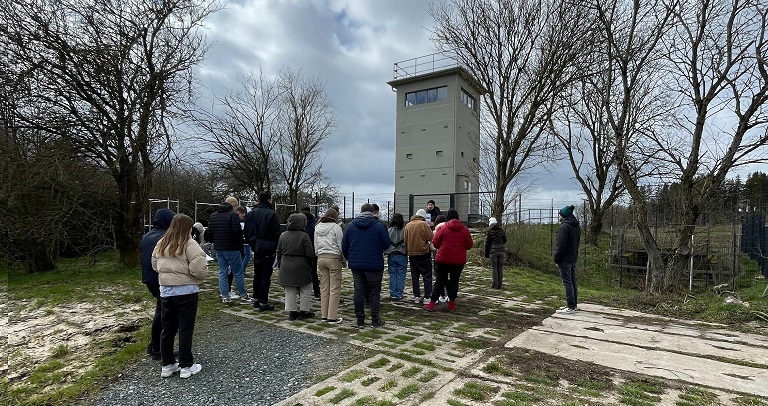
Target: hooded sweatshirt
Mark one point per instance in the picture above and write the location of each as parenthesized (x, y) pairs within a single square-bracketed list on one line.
[(567, 242), (160, 225), (294, 253), (364, 243), (328, 237)]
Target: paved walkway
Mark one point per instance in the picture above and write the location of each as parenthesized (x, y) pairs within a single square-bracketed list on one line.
[(501, 348)]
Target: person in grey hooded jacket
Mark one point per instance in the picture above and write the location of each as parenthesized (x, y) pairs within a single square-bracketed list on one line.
[(295, 260)]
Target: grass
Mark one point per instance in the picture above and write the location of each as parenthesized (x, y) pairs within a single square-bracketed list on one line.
[(343, 394), (76, 281), (478, 392)]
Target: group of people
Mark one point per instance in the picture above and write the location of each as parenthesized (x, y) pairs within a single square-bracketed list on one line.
[(310, 256)]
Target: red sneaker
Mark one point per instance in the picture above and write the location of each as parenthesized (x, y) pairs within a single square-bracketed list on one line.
[(451, 306), (430, 307)]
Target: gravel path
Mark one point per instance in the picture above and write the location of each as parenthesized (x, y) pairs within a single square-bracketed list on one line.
[(244, 363)]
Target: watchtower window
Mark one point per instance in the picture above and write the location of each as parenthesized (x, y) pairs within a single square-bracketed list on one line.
[(468, 100), (426, 96)]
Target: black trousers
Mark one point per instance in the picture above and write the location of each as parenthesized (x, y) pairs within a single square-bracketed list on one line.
[(157, 326), (367, 289), (262, 277), (447, 276), (178, 314)]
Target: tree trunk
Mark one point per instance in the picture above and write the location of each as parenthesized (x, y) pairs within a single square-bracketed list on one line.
[(595, 227)]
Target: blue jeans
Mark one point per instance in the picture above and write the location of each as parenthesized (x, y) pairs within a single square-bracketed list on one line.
[(231, 260), (397, 265), (568, 274), (246, 256)]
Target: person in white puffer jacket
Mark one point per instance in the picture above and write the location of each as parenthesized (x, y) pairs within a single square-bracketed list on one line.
[(328, 236)]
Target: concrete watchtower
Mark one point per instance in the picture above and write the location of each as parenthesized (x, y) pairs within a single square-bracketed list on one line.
[(437, 148)]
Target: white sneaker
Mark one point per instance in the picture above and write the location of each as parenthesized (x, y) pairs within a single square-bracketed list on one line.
[(234, 296), (565, 307), (169, 370), (426, 300), (246, 300), (443, 299), (566, 311), (417, 299), (187, 372)]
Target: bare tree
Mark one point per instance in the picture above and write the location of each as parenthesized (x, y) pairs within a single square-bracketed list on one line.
[(710, 54), (525, 53), (241, 129), (112, 76), (306, 120)]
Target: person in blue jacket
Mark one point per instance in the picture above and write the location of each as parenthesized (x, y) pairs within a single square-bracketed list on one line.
[(363, 247), (160, 225)]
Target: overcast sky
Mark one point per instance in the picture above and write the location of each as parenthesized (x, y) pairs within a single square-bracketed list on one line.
[(351, 45)]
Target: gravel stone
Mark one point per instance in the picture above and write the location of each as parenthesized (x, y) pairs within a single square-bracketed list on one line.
[(244, 363)]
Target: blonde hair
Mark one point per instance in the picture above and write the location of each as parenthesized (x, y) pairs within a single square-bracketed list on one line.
[(175, 239)]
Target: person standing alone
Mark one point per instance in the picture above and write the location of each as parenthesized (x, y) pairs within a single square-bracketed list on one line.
[(495, 249), (566, 254)]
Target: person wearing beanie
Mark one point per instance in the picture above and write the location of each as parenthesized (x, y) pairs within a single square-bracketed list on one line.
[(363, 246), (566, 254), (452, 242), (418, 242), (328, 237), (262, 230), (431, 213), (495, 249)]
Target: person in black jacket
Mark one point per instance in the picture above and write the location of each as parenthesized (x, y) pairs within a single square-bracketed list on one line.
[(566, 254), (495, 249), (262, 230), (310, 230), (160, 225), (227, 236)]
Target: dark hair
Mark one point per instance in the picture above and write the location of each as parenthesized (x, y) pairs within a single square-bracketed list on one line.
[(265, 196), (440, 219), (241, 209), (305, 208), (430, 201), (375, 207), (397, 221), (451, 214), (366, 207)]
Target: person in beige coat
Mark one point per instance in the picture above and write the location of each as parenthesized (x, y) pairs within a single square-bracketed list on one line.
[(328, 237), (181, 267)]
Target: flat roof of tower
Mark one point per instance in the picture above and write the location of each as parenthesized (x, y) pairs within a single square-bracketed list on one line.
[(430, 66)]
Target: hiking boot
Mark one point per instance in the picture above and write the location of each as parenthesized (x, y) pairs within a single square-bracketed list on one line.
[(430, 307), (293, 316), (360, 321), (189, 371), (451, 306), (376, 322), (305, 314), (169, 370)]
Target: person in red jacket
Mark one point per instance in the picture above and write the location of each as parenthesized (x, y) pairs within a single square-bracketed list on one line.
[(452, 242)]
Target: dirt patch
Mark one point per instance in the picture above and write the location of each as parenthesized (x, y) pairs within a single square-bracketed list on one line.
[(74, 334)]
